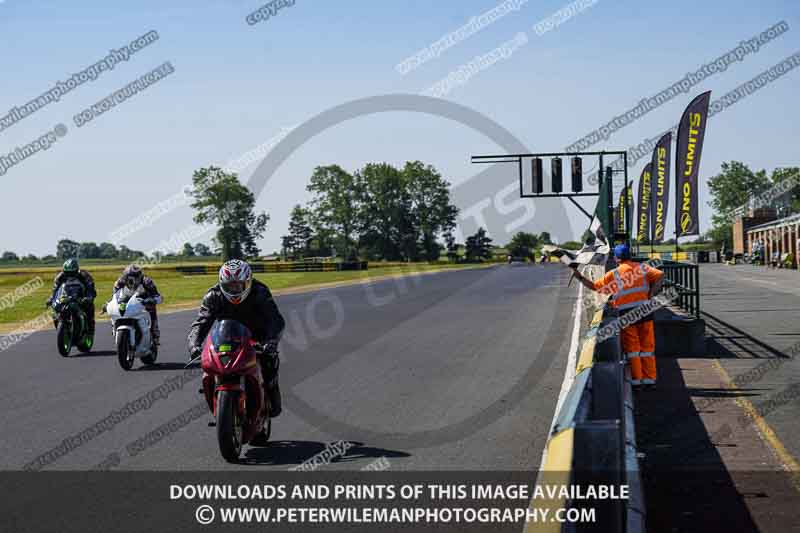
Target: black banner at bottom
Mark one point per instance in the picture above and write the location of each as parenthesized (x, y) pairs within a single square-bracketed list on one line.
[(125, 502)]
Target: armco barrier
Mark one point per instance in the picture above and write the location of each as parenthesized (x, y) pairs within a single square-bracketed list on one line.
[(593, 441)]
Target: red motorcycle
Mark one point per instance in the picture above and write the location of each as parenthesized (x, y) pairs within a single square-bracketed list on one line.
[(233, 387)]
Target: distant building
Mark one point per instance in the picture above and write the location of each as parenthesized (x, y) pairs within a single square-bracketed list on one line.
[(743, 224), (779, 236)]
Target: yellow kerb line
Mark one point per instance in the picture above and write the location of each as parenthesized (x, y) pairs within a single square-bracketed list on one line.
[(767, 434)]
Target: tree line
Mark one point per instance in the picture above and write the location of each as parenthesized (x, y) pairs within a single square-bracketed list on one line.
[(67, 248), (737, 184), (378, 212)]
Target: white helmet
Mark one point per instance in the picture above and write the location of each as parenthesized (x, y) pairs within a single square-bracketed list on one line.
[(235, 280)]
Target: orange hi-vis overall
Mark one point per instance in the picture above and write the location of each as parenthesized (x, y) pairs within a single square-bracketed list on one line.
[(629, 284)]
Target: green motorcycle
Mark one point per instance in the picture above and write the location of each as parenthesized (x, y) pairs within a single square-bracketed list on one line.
[(70, 319)]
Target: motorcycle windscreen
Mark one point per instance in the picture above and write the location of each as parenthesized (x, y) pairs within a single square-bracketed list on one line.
[(229, 336), (125, 294), (70, 290)]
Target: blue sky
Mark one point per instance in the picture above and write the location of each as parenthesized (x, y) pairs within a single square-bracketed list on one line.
[(235, 86)]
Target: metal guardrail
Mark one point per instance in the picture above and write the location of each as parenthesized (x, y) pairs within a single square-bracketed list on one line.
[(593, 436), (685, 278)]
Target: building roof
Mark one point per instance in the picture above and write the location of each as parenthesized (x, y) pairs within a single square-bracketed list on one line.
[(785, 221)]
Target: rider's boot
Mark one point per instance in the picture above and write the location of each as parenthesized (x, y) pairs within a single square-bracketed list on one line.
[(269, 372), (154, 329), (272, 391)]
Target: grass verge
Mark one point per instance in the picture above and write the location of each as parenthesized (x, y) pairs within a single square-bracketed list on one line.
[(181, 292)]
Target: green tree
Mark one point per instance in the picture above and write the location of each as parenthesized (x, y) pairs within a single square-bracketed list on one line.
[(88, 250), (523, 244), (478, 246), (296, 242), (67, 248), (202, 250), (403, 213), (545, 238), (733, 187), (788, 178), (731, 190), (384, 219), (335, 206), (107, 251), (220, 199), (9, 256), (188, 250), (126, 254), (432, 213), (451, 246), (721, 235)]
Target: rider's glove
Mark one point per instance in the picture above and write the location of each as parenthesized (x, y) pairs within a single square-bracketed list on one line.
[(195, 352), (271, 347)]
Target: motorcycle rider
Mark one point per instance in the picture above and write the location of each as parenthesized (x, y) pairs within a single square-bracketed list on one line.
[(71, 270), (239, 297), (133, 277)]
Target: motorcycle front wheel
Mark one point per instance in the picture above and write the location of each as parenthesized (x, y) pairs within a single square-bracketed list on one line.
[(87, 340), (123, 350), (85, 346), (64, 337), (229, 426)]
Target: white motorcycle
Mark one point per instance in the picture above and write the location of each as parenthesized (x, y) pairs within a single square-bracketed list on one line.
[(130, 321)]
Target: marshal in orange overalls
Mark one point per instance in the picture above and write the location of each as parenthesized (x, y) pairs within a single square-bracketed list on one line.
[(629, 284)]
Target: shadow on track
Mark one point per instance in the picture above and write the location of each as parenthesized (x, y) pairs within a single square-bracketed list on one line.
[(685, 479), (723, 393), (161, 366), (101, 353), (294, 452), (724, 340)]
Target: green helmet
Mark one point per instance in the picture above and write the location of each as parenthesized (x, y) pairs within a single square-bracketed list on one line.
[(71, 265)]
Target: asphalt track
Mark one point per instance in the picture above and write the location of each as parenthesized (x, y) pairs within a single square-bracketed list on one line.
[(449, 371), (752, 315)]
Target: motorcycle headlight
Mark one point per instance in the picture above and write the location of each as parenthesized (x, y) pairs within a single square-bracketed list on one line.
[(224, 355)]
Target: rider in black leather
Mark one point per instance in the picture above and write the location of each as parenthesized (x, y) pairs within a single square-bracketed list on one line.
[(240, 297), (73, 270)]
